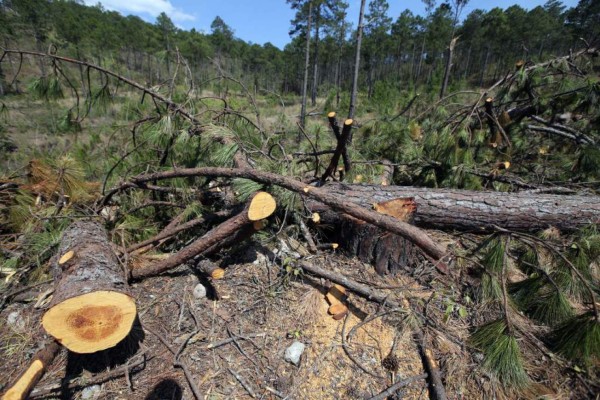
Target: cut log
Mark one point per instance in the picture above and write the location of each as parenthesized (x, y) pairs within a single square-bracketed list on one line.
[(261, 206), (465, 210), (91, 309)]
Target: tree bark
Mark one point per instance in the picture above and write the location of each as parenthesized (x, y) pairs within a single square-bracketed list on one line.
[(306, 67), (449, 55), (313, 93), (91, 309), (261, 206), (356, 63), (455, 209)]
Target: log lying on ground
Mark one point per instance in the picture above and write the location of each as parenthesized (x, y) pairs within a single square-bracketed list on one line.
[(91, 309), (454, 209), (261, 206), (410, 232)]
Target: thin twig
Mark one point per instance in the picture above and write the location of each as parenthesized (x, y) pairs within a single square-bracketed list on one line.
[(400, 384)]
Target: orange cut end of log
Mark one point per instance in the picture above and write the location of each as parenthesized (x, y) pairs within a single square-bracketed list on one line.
[(316, 218), (66, 257), (334, 245), (331, 114), (337, 309), (261, 206), (349, 121), (91, 322), (341, 315), (217, 273)]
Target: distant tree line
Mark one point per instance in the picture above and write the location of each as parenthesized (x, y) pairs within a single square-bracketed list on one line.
[(408, 51)]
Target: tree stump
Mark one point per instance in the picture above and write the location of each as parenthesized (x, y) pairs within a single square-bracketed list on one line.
[(91, 309)]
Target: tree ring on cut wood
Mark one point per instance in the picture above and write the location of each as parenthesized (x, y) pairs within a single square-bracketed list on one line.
[(261, 206), (91, 322)]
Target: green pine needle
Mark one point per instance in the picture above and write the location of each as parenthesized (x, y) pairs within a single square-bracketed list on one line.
[(493, 259), (502, 356), (578, 338), (244, 188), (550, 306)]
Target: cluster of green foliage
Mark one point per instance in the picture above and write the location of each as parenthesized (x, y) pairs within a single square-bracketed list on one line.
[(403, 51)]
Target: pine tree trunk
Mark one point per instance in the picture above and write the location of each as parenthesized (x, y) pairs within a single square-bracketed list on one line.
[(313, 94), (306, 67), (449, 54), (485, 64), (356, 64)]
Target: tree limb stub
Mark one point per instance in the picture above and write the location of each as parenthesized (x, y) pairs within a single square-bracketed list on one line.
[(91, 309), (410, 232), (261, 206)]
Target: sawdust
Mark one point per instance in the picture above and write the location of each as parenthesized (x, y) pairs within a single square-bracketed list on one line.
[(327, 372)]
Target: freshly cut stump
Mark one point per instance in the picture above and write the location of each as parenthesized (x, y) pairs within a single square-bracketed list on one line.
[(91, 309)]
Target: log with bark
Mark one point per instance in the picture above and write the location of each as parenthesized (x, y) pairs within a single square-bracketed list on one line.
[(261, 206), (446, 209), (92, 308), (466, 210)]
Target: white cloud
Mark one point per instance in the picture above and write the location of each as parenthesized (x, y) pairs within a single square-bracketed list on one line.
[(148, 7)]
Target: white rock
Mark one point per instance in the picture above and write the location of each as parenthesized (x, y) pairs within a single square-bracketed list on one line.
[(15, 321), (90, 392), (199, 291), (294, 352)]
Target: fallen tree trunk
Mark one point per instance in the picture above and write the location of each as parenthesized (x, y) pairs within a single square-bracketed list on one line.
[(410, 232), (91, 309), (464, 210)]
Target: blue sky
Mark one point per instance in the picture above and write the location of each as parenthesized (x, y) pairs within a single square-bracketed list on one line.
[(261, 21)]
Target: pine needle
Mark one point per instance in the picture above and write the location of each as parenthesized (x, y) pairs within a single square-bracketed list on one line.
[(578, 339), (502, 356)]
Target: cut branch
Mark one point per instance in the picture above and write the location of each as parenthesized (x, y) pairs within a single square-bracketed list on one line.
[(410, 232), (28, 379), (261, 206)]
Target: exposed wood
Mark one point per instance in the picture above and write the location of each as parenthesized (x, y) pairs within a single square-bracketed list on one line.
[(437, 390), (211, 269), (455, 209), (324, 195), (28, 379), (91, 309), (260, 206)]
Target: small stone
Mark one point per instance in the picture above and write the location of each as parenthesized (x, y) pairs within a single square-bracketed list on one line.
[(294, 352), (90, 392), (15, 321), (199, 291)]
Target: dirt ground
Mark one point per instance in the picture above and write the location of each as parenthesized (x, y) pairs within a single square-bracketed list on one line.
[(259, 309)]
